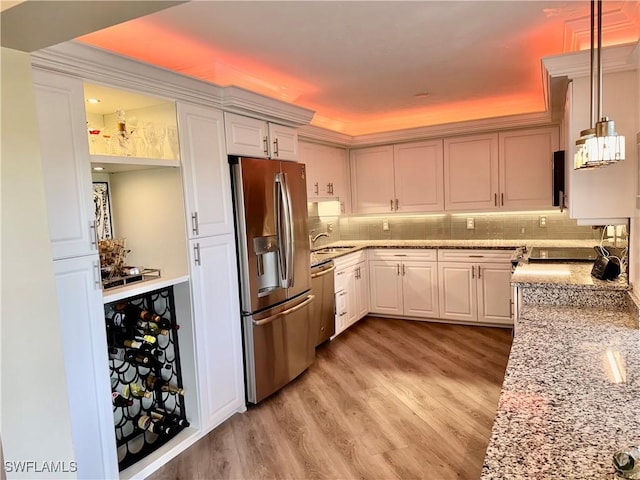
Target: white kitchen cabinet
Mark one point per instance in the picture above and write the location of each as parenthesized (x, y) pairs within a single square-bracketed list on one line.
[(217, 332), (207, 184), (471, 179), (326, 172), (526, 167), (494, 293), (65, 162), (418, 176), (351, 290), (251, 137), (400, 178), (404, 283), (84, 341), (474, 285), (372, 187)]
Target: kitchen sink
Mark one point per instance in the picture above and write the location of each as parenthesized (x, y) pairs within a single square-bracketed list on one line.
[(333, 250)]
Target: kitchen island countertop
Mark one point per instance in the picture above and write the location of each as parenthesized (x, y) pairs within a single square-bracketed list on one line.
[(567, 275), (570, 397)]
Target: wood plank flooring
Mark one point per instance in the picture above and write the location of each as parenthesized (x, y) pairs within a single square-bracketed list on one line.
[(387, 399)]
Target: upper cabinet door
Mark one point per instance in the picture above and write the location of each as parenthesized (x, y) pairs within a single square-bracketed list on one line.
[(419, 176), (246, 136), (207, 183), (66, 166), (283, 142), (471, 172), (526, 161), (307, 156), (372, 180)]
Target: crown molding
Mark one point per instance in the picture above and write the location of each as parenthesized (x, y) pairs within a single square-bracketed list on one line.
[(100, 66), (577, 64), (451, 129), (244, 102), (322, 135)]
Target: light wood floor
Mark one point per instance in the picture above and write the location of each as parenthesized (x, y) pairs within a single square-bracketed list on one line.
[(387, 399)]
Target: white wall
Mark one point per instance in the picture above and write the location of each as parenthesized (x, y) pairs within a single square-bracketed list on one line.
[(34, 420), (148, 211)]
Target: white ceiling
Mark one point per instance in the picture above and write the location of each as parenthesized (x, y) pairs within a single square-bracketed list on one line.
[(360, 64)]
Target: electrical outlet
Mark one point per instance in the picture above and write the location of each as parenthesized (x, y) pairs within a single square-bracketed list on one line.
[(471, 224), (522, 231), (329, 227), (385, 225), (543, 222)]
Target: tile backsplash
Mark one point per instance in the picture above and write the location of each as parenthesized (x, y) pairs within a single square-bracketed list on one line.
[(445, 227)]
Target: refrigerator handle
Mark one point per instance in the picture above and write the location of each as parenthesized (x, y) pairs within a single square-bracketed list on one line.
[(278, 201), (288, 222), (270, 319)]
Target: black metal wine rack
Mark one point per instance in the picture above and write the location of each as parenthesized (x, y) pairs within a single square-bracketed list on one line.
[(133, 442)]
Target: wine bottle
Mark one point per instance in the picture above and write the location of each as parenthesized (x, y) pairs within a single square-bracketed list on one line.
[(158, 414), (159, 426), (151, 328), (161, 385), (145, 359), (134, 390), (134, 312), (119, 400)]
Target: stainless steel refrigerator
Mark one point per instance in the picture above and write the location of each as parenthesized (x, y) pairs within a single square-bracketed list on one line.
[(270, 205)]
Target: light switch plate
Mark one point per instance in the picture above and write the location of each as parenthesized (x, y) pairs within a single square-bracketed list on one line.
[(385, 225), (471, 224)]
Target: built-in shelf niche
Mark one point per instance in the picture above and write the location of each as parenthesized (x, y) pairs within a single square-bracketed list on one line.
[(150, 134)]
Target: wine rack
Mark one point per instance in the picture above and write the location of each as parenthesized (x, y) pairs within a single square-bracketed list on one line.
[(128, 368)]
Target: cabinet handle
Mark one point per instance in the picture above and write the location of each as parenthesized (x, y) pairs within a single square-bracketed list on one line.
[(331, 188), (343, 314), (495, 199), (328, 189), (340, 273), (502, 199), (266, 146), (97, 278), (93, 233), (358, 272), (275, 147), (342, 294), (479, 274), (316, 188), (476, 256), (196, 254), (473, 271), (398, 269), (342, 207), (396, 204), (403, 270), (391, 202), (195, 227), (511, 308)]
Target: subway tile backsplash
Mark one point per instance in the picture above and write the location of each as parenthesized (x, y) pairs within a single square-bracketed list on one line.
[(454, 227)]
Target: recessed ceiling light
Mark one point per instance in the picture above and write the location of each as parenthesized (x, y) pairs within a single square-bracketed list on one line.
[(421, 95), (98, 169), (93, 100)]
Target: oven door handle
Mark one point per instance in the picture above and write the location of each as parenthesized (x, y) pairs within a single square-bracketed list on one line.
[(273, 318)]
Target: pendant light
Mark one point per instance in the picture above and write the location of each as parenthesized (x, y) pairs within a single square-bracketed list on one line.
[(599, 145)]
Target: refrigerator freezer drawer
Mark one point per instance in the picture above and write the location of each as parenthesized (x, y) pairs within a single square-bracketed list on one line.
[(279, 346)]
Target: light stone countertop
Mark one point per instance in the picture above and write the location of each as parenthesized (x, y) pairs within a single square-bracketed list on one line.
[(569, 275), (570, 397)]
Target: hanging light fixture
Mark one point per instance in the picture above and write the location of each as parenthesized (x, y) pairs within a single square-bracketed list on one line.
[(599, 145)]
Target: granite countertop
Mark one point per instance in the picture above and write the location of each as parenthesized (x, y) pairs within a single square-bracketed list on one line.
[(570, 397), (569, 275), (489, 244)]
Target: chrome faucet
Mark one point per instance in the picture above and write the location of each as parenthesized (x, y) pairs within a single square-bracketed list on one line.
[(316, 237)]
